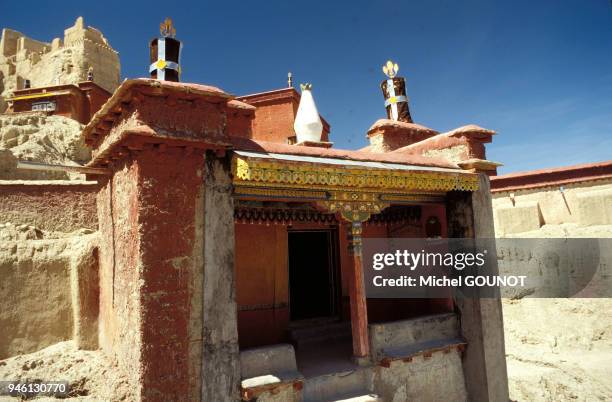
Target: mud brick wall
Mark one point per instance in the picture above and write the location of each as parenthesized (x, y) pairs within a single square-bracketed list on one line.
[(151, 256), (62, 206), (49, 293)]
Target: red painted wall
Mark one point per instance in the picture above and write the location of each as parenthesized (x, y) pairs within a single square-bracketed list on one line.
[(275, 115), (63, 207), (147, 277)]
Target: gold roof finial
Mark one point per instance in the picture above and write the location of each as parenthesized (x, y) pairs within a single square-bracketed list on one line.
[(166, 28), (306, 86), (289, 79), (390, 69)]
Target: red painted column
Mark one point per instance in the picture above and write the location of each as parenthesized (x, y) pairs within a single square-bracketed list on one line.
[(359, 311), (166, 289)]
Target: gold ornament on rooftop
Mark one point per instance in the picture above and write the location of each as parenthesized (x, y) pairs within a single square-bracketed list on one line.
[(166, 28), (306, 86), (390, 69)]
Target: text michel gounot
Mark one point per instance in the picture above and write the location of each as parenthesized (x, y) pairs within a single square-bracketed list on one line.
[(404, 259)]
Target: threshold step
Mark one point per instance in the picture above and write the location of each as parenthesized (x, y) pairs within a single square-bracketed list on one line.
[(361, 398), (365, 397), (337, 327)]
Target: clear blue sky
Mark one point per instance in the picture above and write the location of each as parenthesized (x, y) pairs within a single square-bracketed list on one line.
[(537, 72)]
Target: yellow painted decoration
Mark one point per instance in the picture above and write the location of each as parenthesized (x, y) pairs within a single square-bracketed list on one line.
[(315, 176), (279, 193), (41, 95), (161, 64), (354, 193), (390, 69), (167, 29)]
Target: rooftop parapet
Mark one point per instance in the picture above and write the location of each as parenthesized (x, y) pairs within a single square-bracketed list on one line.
[(388, 135), (464, 146), (152, 111)]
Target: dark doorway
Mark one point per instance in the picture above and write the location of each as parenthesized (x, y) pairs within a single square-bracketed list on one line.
[(313, 278)]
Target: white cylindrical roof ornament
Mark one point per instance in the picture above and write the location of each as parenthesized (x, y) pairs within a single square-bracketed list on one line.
[(307, 124)]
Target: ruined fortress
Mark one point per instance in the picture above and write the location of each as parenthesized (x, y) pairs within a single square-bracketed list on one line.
[(60, 71), (64, 60)]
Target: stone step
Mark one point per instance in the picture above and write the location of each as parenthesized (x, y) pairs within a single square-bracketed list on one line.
[(363, 396), (340, 386), (360, 398), (327, 331)]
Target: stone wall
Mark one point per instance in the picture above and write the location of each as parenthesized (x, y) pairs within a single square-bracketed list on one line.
[(435, 378), (59, 62)]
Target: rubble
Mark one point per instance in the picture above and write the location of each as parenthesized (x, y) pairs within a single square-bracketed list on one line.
[(40, 138), (91, 375)]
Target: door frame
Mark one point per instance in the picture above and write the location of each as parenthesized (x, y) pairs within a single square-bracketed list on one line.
[(335, 292)]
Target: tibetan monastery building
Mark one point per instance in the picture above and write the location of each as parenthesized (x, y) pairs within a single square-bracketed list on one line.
[(229, 257)]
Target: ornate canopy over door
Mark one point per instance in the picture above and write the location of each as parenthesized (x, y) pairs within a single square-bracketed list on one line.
[(354, 189)]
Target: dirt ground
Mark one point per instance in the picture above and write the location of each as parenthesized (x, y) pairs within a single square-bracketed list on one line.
[(92, 376), (559, 349)]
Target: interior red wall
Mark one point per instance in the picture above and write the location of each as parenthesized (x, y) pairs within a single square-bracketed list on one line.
[(262, 283), (262, 278)]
